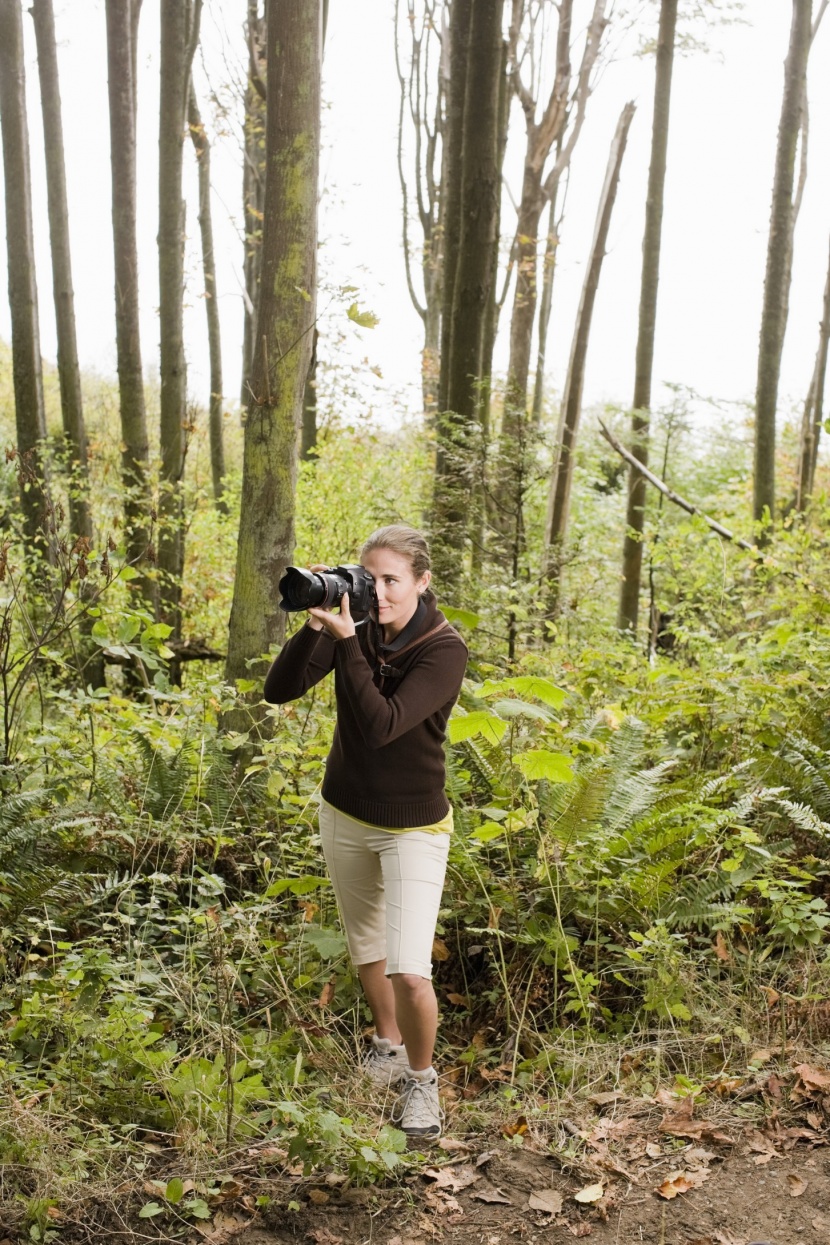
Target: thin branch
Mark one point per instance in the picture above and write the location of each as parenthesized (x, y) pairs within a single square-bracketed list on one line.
[(416, 303), (663, 488)]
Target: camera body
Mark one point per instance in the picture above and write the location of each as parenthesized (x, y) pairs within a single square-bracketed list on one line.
[(301, 589)]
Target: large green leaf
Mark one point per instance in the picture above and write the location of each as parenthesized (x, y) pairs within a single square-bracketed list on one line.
[(479, 722), (539, 763), (527, 685)]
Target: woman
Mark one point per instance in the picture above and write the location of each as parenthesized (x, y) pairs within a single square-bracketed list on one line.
[(385, 821)]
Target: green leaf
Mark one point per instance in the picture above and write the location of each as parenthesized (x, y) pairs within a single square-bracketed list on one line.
[(150, 1209), (328, 943), (297, 886), (127, 573), (175, 1190), (366, 319), (156, 631), (198, 1208), (488, 831), (478, 723), (527, 685), (680, 1011), (466, 617), (128, 629), (539, 763)]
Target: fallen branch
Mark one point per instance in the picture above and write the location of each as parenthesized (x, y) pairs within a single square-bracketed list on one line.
[(663, 488)]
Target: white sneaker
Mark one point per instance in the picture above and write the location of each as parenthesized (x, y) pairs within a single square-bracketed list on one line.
[(417, 1111), (385, 1063)]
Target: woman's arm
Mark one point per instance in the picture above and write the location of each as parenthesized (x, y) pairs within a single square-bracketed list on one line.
[(433, 681), (303, 661)]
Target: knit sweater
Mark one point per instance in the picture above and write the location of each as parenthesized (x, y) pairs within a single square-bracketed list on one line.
[(386, 764)]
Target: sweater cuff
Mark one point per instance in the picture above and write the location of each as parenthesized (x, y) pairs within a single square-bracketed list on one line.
[(348, 647)]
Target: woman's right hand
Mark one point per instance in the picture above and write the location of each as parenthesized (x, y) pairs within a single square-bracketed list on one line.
[(314, 623)]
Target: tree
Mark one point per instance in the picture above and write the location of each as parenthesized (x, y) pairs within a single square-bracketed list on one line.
[(425, 107), (562, 475), (201, 146), (632, 557), (253, 184), (470, 239), (179, 36), (779, 261), (811, 423), (122, 19), (285, 319), (26, 363), (69, 372)]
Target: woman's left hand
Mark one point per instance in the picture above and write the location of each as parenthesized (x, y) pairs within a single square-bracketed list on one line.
[(339, 626)]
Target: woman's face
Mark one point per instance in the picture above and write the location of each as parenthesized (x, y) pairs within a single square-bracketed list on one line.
[(396, 587)]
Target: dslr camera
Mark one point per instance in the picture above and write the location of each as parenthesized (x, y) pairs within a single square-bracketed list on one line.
[(302, 589)]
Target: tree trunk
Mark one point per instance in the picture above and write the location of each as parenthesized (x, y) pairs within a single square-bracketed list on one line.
[(201, 146), (69, 372), (562, 476), (253, 187), (177, 18), (286, 316), (545, 307), (26, 361), (779, 253), (466, 369), (121, 28), (308, 436), (813, 410), (632, 557)]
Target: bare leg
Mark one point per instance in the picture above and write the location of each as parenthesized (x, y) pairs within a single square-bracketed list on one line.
[(381, 999), (416, 1011)]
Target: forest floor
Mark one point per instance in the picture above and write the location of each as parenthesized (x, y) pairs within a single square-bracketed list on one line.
[(750, 1165)]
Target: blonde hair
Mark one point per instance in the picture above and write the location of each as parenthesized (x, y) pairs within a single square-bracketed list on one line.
[(406, 541)]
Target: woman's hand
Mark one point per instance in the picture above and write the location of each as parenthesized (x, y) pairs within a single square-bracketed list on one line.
[(339, 626)]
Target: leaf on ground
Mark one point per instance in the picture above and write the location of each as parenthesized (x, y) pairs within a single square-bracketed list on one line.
[(813, 1078), (323, 1237), (443, 1203), (720, 948), (440, 950), (682, 1181), (518, 1129), (590, 1193), (579, 1229), (653, 1150), (605, 1100), (761, 1056), (454, 1147), (327, 993), (485, 1157), (226, 1226), (795, 1185), (458, 1000), (452, 1178), (491, 1194), (318, 1197), (547, 1200), (698, 1157)]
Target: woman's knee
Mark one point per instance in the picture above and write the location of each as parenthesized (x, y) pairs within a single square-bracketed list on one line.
[(410, 984)]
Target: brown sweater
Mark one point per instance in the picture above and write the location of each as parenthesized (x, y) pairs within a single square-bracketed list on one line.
[(386, 764)]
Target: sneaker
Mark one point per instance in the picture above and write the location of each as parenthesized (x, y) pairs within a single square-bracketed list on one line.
[(385, 1063), (417, 1111)]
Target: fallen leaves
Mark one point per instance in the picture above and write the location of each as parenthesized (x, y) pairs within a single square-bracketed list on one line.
[(491, 1194), (547, 1200), (518, 1129), (678, 1182), (452, 1178), (795, 1185), (591, 1193)]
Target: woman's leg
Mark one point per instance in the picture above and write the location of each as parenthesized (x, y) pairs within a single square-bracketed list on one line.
[(414, 865), (416, 1011), (381, 999)]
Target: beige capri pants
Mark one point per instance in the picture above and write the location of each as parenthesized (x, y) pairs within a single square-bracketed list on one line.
[(388, 888)]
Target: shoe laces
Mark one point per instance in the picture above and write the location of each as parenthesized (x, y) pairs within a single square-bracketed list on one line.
[(417, 1100)]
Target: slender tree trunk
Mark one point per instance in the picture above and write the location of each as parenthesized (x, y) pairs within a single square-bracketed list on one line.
[(467, 370), (562, 476), (69, 372), (253, 187), (632, 558), (201, 146), (545, 307), (814, 410), (284, 342), (177, 16), (121, 30), (26, 361), (779, 253), (451, 174), (308, 436)]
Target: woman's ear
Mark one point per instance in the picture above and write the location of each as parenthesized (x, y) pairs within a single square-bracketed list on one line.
[(426, 580)]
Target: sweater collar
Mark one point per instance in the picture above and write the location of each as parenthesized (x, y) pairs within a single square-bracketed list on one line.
[(410, 631)]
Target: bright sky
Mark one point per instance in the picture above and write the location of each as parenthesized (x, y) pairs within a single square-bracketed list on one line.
[(725, 111)]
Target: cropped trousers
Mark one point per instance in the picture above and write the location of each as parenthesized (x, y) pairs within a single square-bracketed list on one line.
[(388, 888)]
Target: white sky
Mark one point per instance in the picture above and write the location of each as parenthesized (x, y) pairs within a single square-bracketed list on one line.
[(721, 150)]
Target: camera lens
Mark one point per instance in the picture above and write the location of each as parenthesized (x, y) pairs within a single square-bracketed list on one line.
[(301, 589)]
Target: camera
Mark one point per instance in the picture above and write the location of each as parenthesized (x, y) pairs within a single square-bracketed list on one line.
[(302, 589)]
